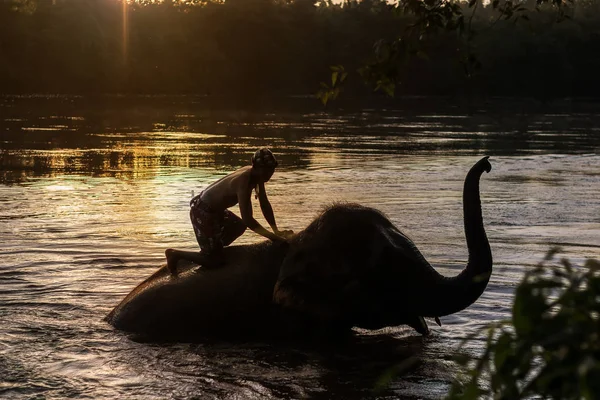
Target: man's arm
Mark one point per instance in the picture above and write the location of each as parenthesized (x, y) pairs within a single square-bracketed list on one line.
[(246, 210), (266, 208)]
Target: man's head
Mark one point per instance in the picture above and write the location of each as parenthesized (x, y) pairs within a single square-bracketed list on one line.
[(264, 163)]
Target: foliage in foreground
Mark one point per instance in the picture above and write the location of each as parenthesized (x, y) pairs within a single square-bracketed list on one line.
[(435, 21), (550, 348)]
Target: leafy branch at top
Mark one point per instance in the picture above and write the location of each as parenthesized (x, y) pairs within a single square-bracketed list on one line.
[(332, 91), (428, 20)]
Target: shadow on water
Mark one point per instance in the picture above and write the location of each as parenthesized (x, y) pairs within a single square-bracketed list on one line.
[(367, 366)]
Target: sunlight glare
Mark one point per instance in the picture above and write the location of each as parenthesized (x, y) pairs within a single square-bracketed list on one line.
[(125, 30), (54, 188)]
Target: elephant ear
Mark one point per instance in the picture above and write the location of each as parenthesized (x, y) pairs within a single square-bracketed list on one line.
[(332, 279), (317, 286)]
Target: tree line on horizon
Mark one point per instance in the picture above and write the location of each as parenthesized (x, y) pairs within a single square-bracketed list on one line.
[(250, 48)]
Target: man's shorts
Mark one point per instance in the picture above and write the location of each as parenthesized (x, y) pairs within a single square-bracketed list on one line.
[(214, 229)]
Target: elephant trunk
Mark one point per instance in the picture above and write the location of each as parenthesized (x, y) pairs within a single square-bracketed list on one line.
[(449, 295)]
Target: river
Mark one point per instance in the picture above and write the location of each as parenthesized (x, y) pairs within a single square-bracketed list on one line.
[(93, 190)]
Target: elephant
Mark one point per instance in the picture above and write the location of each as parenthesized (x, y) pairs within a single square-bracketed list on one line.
[(350, 267)]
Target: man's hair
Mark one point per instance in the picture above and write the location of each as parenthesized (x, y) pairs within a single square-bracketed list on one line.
[(264, 158)]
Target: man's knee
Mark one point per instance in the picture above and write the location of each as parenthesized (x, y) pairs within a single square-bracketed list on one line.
[(231, 234)]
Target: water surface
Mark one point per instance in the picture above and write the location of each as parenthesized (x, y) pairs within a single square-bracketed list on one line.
[(93, 191)]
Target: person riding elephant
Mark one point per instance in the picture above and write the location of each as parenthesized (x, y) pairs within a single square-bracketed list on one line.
[(351, 267), (215, 226)]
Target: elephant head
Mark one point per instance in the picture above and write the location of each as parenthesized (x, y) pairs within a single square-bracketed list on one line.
[(352, 267)]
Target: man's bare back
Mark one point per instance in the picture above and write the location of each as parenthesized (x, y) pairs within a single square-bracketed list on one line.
[(225, 192)]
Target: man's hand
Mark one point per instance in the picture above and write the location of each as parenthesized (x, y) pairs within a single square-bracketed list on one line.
[(276, 237), (286, 234)]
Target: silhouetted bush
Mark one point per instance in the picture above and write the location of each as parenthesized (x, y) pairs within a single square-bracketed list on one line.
[(550, 348)]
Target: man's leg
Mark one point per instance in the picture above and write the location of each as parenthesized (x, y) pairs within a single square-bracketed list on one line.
[(173, 257), (233, 228), (204, 229), (224, 229)]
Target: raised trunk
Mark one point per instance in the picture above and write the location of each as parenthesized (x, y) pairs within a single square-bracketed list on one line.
[(449, 295)]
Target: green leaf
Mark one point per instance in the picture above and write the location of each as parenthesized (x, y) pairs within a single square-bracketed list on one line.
[(397, 370), (472, 391), (551, 253), (592, 264), (323, 96), (387, 86), (520, 319), (502, 350)]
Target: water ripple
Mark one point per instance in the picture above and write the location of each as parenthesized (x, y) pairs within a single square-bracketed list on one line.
[(86, 216)]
